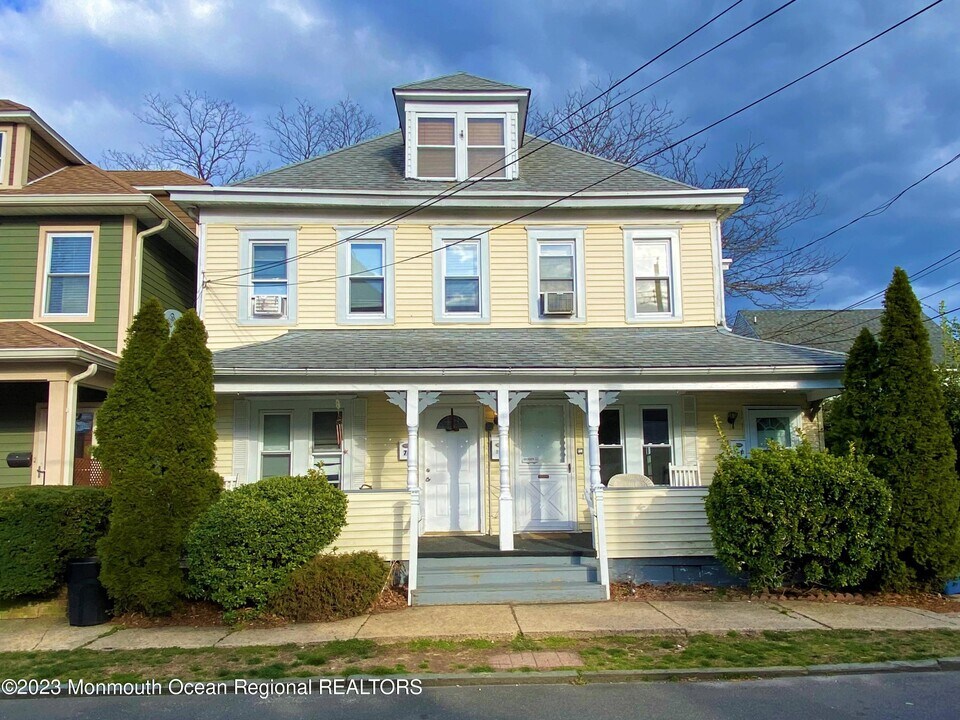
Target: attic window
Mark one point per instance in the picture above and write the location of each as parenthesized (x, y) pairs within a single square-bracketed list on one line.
[(436, 147), (486, 147)]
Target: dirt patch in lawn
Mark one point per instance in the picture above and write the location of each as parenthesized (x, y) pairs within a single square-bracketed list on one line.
[(187, 614), (627, 592)]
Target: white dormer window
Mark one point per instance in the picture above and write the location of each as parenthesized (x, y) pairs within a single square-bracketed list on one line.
[(459, 144)]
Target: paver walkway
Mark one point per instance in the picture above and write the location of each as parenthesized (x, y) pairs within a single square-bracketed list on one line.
[(492, 622)]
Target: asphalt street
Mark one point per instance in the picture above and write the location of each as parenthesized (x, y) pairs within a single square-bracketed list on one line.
[(915, 696)]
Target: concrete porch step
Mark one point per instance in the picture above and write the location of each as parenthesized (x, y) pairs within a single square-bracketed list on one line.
[(507, 560), (524, 575), (493, 595)]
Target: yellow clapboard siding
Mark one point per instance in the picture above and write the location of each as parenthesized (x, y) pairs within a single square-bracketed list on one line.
[(378, 521), (710, 405), (643, 522), (386, 426), (413, 293)]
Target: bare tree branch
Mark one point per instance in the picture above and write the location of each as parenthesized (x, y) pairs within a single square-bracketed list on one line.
[(305, 132), (204, 136), (755, 234)]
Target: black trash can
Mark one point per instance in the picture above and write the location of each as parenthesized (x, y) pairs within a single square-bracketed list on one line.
[(87, 601)]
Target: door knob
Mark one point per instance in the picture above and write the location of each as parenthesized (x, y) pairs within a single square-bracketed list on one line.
[(428, 479)]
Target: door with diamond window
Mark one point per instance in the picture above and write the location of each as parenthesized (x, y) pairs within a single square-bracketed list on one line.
[(544, 490)]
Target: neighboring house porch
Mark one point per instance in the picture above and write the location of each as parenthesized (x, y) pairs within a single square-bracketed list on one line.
[(507, 441), (51, 386)]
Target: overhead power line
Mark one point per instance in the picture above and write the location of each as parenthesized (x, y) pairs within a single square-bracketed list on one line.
[(648, 157), (505, 161)]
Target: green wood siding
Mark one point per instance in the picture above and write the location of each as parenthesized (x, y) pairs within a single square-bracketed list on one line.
[(17, 416), (20, 240), (18, 271), (167, 276)]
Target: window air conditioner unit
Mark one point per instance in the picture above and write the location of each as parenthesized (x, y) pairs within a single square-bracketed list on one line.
[(557, 303), (268, 305)]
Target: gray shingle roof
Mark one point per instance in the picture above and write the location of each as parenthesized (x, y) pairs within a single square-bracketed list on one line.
[(542, 348), (459, 82), (378, 164), (824, 329)]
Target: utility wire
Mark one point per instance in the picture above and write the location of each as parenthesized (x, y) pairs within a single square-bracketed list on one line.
[(627, 167), (880, 209), (500, 164)]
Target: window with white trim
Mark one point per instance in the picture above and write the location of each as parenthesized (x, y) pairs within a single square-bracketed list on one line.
[(276, 447), (327, 444), (365, 276), (461, 277), (69, 266), (612, 460), (556, 269), (367, 281), (437, 147), (781, 425), (457, 145), (268, 296), (4, 157), (652, 261), (656, 442)]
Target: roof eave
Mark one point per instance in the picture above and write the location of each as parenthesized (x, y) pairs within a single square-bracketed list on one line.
[(48, 133), (521, 95), (57, 355)]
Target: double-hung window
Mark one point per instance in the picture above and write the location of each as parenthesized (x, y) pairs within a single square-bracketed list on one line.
[(68, 285), (327, 446), (457, 144), (461, 275), (268, 257), (437, 147), (486, 147), (611, 444), (657, 450), (365, 275), (652, 258), (276, 447), (556, 275), (366, 279), (5, 156)]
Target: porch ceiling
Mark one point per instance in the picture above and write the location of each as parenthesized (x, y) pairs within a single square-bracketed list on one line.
[(524, 350)]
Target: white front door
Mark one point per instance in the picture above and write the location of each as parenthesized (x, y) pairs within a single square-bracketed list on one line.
[(451, 469), (544, 496)]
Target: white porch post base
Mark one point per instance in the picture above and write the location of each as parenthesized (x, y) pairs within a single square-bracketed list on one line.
[(506, 496)]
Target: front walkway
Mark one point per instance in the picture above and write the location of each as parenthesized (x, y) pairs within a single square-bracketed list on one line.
[(495, 622)]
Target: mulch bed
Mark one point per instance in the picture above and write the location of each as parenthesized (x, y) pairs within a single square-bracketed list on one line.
[(925, 601), (391, 599)]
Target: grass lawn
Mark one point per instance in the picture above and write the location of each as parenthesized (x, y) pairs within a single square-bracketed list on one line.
[(421, 657)]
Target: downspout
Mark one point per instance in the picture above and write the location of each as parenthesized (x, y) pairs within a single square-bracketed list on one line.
[(138, 261), (69, 446)]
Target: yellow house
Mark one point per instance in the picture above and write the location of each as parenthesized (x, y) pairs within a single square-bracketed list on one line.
[(509, 354)]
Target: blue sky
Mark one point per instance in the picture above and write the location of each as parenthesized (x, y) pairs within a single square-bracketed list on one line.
[(856, 133)]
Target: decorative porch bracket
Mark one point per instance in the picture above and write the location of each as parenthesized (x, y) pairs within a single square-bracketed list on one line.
[(503, 402), (592, 402), (413, 402)]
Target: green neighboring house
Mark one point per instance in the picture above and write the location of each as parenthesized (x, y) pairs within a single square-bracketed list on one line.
[(80, 249)]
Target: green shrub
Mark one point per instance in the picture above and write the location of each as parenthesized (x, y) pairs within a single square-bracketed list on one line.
[(797, 516), (244, 547), (41, 528), (331, 587)]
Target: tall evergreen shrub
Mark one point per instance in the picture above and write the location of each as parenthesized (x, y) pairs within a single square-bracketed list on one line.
[(913, 450), (852, 414)]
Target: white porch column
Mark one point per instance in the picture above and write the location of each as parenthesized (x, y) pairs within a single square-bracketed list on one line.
[(596, 486), (506, 495), (413, 486)]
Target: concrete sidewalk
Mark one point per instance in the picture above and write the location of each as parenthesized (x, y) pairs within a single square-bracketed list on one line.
[(492, 622)]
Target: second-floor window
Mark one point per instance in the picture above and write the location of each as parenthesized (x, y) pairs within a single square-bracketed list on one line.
[(69, 268), (651, 259), (366, 280), (461, 283), (268, 290), (365, 275), (556, 274)]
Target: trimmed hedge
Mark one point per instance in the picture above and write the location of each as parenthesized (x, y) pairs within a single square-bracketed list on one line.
[(41, 528), (332, 587), (244, 547), (797, 516)]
